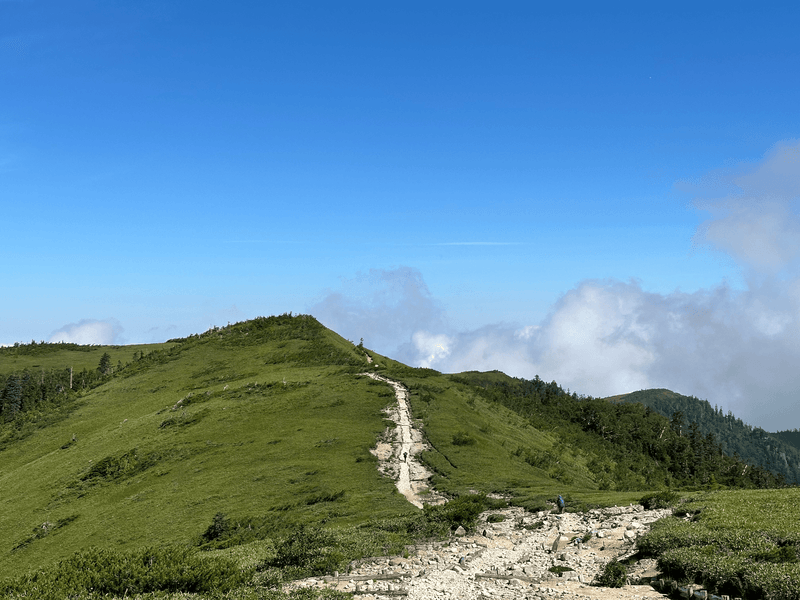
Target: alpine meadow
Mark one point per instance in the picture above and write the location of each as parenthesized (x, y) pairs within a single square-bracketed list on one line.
[(242, 458)]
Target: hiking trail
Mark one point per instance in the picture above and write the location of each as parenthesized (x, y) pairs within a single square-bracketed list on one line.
[(397, 449)]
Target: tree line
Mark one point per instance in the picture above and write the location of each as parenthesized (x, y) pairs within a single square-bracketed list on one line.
[(633, 447), (753, 445)]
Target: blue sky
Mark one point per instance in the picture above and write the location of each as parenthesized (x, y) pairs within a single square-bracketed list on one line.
[(605, 195)]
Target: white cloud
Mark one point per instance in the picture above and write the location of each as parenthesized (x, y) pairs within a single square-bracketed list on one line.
[(753, 210), (430, 348), (739, 349), (89, 331)]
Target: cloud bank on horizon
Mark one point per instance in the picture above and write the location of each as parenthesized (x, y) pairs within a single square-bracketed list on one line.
[(89, 332), (738, 348)]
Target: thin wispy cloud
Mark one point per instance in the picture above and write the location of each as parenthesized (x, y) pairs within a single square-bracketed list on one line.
[(478, 244)]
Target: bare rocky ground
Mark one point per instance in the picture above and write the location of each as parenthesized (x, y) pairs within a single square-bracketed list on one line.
[(398, 448), (508, 560), (512, 560)]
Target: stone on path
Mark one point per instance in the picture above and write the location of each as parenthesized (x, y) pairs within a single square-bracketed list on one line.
[(559, 543)]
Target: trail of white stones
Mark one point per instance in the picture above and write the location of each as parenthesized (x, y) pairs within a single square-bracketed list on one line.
[(511, 560), (397, 450)]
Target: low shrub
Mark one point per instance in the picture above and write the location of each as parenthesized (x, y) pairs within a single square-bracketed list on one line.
[(614, 575), (558, 570), (462, 511), (495, 518), (658, 500), (462, 438), (168, 569)]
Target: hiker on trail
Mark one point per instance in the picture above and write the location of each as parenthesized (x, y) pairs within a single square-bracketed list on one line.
[(405, 456), (560, 504)]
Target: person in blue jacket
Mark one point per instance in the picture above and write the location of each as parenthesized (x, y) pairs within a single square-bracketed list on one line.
[(560, 504)]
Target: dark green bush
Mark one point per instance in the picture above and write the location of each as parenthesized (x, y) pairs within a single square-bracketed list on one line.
[(462, 511), (495, 518), (558, 570), (658, 500), (220, 528), (310, 550), (614, 575), (169, 569), (462, 438)]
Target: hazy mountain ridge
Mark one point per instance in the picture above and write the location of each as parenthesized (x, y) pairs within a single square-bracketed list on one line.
[(777, 452)]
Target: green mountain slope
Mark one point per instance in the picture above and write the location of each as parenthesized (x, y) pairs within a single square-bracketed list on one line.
[(266, 418), (776, 452), (791, 437), (627, 446), (271, 422)]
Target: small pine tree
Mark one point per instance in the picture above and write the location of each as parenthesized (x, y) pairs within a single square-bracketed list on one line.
[(105, 364), (12, 398)]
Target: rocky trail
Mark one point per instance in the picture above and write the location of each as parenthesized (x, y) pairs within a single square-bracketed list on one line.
[(523, 556), (512, 560), (397, 450)]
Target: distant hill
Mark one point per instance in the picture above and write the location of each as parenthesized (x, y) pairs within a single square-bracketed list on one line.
[(777, 452)]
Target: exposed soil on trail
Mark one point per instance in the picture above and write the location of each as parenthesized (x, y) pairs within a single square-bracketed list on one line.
[(397, 449)]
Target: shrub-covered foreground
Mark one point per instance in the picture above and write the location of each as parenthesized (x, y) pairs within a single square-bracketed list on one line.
[(98, 572), (740, 543), (179, 572)]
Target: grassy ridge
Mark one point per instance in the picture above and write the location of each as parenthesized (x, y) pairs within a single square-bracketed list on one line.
[(162, 446), (266, 420), (254, 439)]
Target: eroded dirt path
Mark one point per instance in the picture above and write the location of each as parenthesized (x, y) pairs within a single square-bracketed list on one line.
[(397, 450)]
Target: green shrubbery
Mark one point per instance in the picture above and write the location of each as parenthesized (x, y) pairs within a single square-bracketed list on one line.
[(614, 575), (462, 438), (657, 500), (169, 569), (739, 543), (310, 549)]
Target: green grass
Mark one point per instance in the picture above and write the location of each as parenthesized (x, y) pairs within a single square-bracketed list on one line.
[(242, 441)]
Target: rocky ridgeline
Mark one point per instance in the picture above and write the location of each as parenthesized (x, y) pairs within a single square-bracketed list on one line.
[(525, 556)]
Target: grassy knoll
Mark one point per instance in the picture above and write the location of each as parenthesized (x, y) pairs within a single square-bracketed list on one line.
[(743, 543), (58, 356)]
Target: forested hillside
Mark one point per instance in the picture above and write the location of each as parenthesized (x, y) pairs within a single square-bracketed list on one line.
[(778, 453), (633, 446), (790, 436)]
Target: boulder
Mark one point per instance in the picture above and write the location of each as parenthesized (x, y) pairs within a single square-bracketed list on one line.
[(559, 543)]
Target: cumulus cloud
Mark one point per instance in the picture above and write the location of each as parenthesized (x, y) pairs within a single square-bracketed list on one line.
[(89, 331), (738, 348)]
